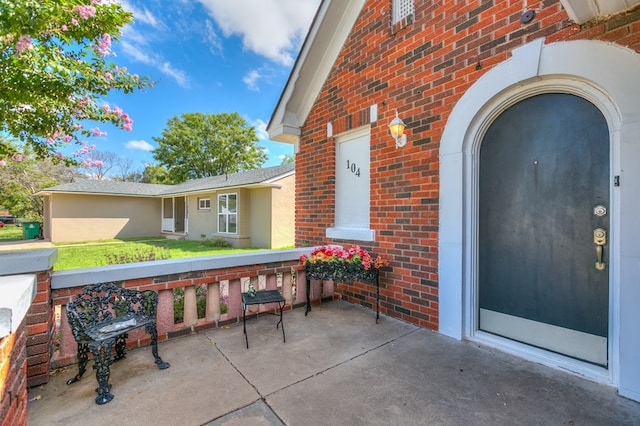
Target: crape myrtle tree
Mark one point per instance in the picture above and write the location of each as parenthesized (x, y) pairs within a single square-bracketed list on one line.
[(200, 145), (55, 69)]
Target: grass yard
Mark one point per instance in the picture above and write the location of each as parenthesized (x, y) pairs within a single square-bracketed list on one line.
[(109, 252), (103, 253), (10, 232)]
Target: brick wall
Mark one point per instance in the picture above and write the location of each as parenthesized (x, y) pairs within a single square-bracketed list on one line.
[(420, 68), (13, 383), (166, 328), (40, 333)]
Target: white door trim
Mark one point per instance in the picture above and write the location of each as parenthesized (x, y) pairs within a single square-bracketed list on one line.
[(604, 74)]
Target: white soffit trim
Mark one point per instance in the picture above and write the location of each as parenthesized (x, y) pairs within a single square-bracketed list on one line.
[(325, 39), (581, 11)]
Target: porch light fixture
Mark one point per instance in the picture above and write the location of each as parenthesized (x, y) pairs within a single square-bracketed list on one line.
[(396, 127)]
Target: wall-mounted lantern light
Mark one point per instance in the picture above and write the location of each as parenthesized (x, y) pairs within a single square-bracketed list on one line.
[(397, 131)]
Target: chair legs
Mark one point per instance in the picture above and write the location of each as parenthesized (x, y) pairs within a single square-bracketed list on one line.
[(103, 358), (153, 331), (83, 358)]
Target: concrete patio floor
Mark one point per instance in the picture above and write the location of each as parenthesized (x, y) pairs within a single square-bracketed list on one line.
[(337, 367)]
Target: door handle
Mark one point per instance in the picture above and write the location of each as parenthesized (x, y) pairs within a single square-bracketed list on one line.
[(599, 239)]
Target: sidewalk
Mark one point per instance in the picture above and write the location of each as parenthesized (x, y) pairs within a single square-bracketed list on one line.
[(337, 367), (24, 244)]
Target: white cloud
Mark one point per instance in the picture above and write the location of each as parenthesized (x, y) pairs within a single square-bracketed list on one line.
[(212, 38), (261, 129), (140, 145), (139, 53), (251, 80), (135, 52), (177, 74), (271, 28), (141, 15), (255, 76), (136, 44)]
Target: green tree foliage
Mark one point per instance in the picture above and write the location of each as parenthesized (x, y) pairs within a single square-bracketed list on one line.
[(200, 145), (55, 64), (288, 159), (156, 174), (21, 180)]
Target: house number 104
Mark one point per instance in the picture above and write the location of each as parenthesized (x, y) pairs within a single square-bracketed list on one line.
[(351, 166)]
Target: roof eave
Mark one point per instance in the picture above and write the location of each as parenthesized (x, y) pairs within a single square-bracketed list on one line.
[(326, 37), (221, 189), (112, 194), (285, 133), (581, 11)]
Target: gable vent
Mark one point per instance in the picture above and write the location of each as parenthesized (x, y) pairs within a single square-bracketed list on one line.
[(402, 9)]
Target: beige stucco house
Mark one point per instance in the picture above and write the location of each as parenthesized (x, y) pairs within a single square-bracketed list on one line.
[(248, 209)]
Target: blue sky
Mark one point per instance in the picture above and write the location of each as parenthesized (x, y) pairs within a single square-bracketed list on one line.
[(207, 56)]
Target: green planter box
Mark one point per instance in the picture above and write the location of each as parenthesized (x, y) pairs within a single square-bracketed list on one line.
[(30, 230)]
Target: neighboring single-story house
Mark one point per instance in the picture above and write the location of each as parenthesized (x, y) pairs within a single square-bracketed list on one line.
[(508, 207), (248, 209)]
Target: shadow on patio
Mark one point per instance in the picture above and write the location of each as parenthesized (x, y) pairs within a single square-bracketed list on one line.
[(337, 367)]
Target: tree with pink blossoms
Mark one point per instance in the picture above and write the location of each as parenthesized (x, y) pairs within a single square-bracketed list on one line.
[(56, 64)]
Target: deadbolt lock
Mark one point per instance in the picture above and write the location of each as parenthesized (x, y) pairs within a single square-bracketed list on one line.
[(599, 210)]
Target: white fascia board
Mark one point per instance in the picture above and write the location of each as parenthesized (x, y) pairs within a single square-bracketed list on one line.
[(284, 133), (581, 11), (277, 178), (325, 39)]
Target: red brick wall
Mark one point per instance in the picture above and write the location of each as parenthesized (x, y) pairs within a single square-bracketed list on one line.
[(13, 373), (68, 356), (34, 341), (421, 69), (40, 318)]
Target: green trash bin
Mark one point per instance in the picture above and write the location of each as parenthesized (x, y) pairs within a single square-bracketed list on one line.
[(30, 230)]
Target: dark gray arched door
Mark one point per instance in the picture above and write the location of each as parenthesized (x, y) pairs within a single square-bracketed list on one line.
[(543, 271)]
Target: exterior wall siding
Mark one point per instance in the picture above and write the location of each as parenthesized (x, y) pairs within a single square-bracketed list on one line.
[(419, 68), (91, 217), (260, 213), (202, 223), (282, 213)]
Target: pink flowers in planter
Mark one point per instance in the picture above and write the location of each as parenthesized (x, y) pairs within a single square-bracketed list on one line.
[(331, 262)]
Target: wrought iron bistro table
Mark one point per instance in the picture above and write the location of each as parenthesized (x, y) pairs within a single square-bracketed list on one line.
[(373, 276), (259, 298)]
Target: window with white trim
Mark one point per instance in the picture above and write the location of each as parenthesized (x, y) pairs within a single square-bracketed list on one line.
[(204, 204), (402, 9), (228, 213)]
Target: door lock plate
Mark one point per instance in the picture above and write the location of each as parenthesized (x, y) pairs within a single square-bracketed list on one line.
[(599, 237)]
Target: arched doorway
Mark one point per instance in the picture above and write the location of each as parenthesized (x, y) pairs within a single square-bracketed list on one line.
[(543, 194), (605, 75)]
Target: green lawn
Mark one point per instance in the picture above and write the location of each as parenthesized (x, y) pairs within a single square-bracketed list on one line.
[(103, 253), (10, 232)]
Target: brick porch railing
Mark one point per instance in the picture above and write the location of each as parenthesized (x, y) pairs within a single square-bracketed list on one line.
[(43, 340)]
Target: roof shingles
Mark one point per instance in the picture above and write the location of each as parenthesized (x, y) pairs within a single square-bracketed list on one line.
[(108, 187)]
